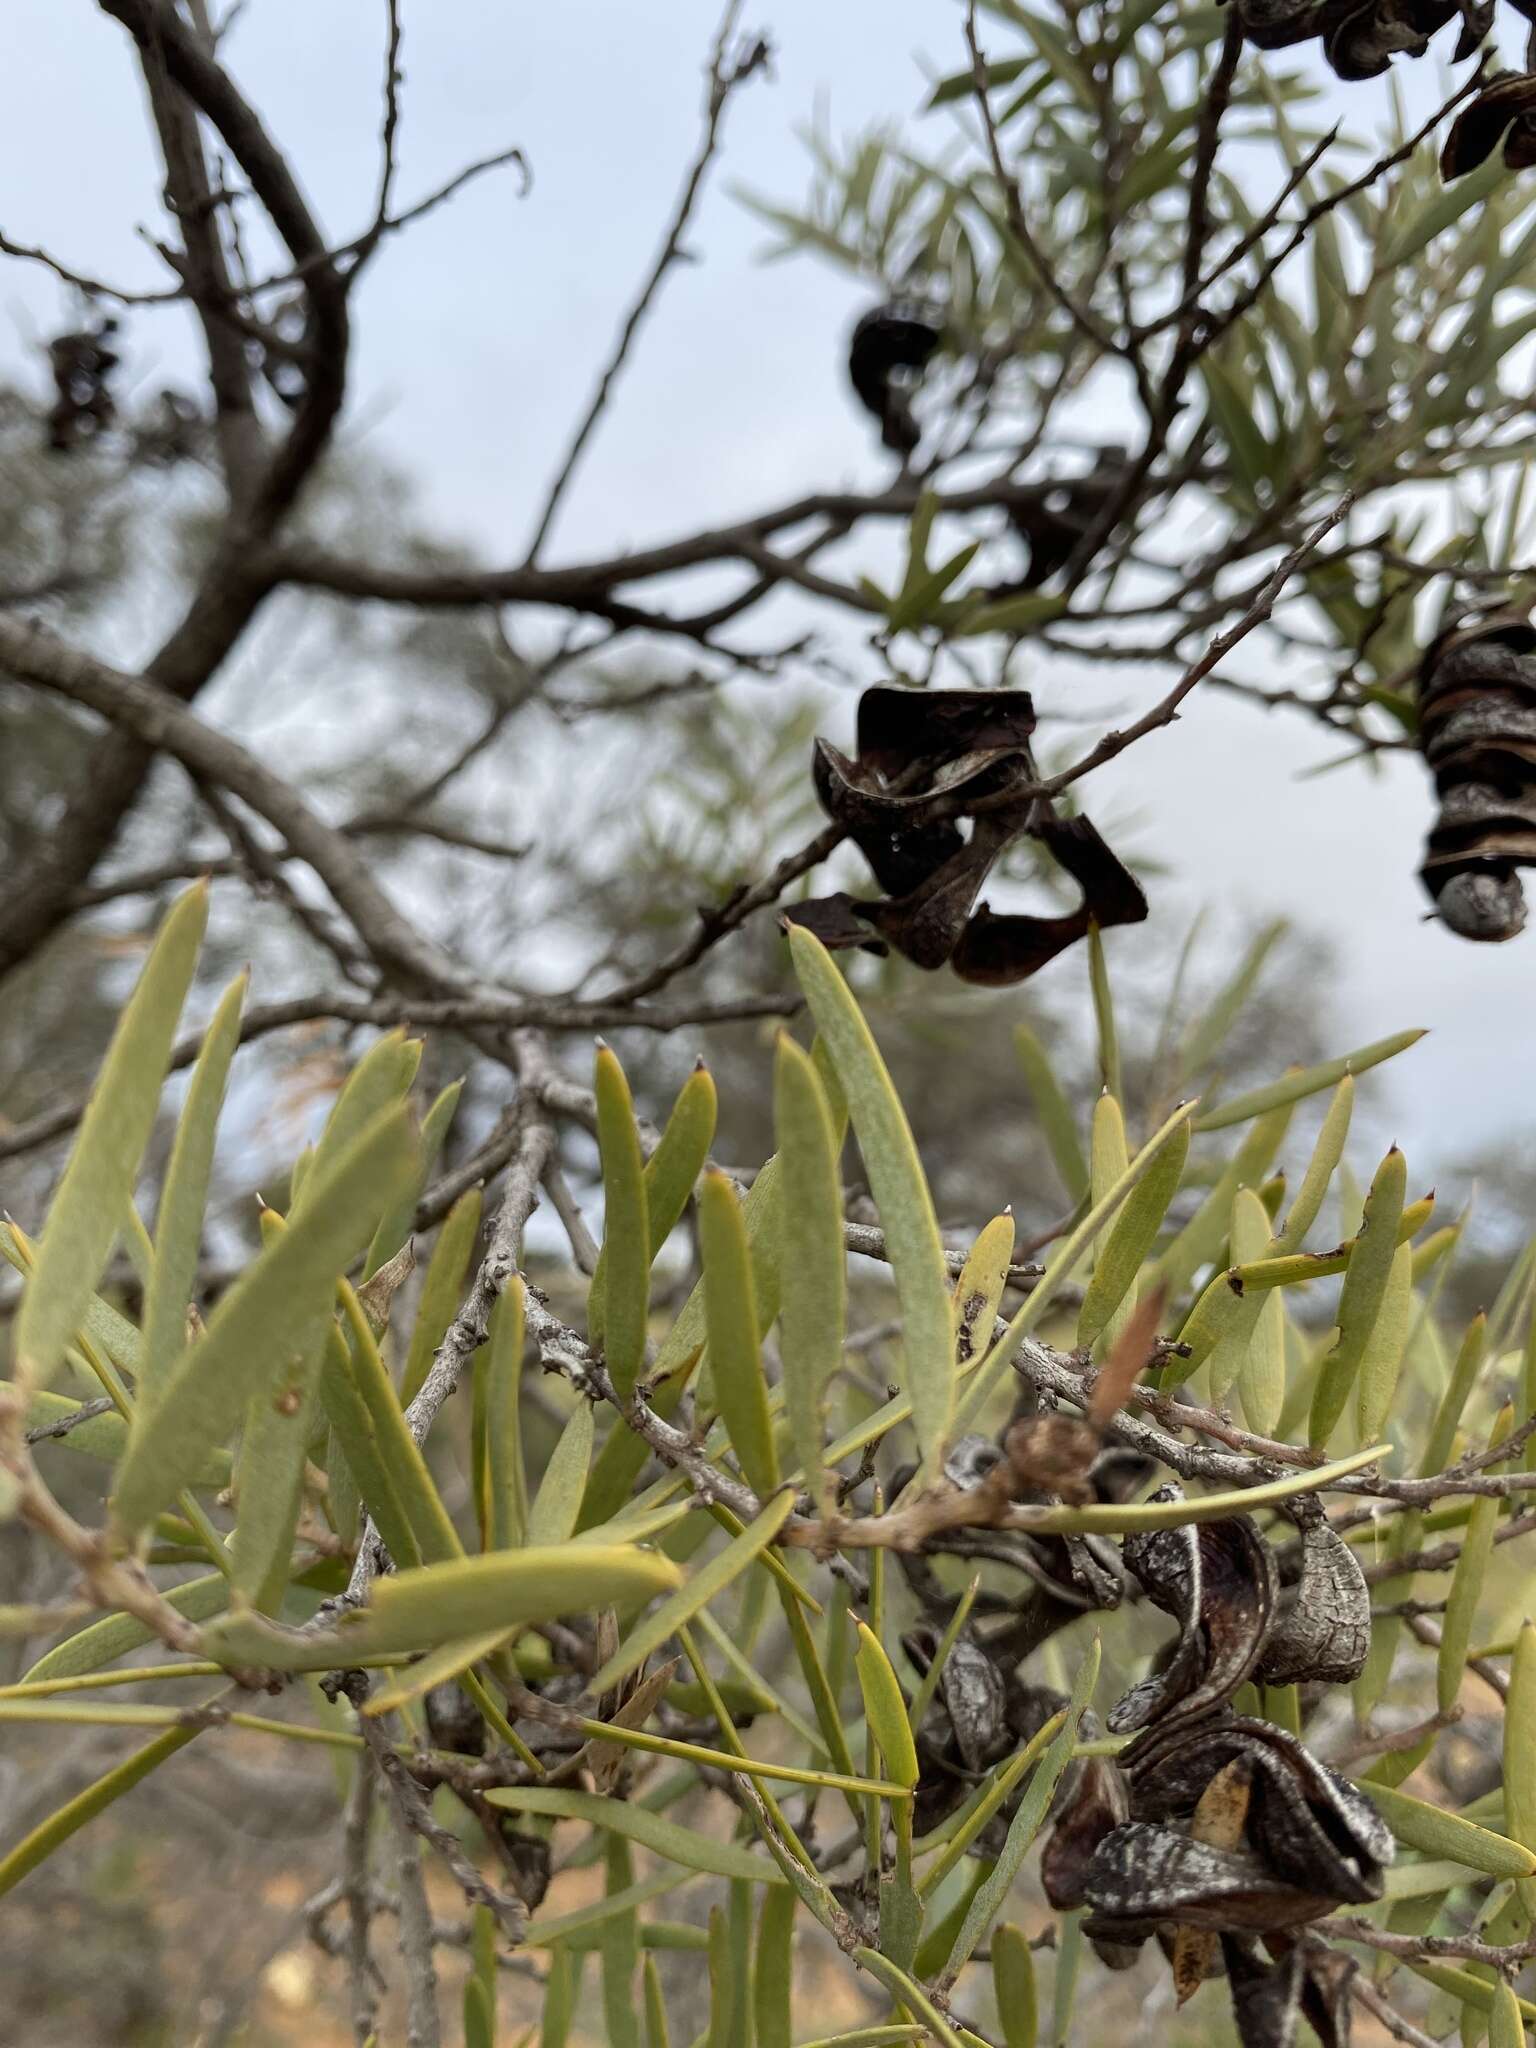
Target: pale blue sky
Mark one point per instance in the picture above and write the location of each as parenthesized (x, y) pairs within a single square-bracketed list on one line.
[(480, 332)]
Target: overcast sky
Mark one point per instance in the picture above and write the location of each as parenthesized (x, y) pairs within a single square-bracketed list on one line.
[(479, 334)]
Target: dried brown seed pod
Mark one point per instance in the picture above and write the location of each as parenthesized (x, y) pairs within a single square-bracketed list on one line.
[(1477, 731), (925, 761), (1503, 113), (890, 348), (1309, 1825), (454, 1721), (1360, 40), (1322, 1628), (1217, 1579)]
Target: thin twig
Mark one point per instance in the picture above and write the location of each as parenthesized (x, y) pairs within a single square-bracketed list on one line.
[(1166, 710), (727, 70)]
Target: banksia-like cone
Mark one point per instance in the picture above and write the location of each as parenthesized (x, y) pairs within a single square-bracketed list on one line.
[(1477, 729)]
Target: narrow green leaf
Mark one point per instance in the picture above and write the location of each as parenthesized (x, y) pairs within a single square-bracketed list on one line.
[(1128, 1242), (1106, 1030), (1321, 1167), (653, 1831), (1382, 1358), (552, 1518), (50, 1834), (774, 1973), (1261, 1375), (928, 1685), (1108, 1158), (1211, 1507), (618, 1464), (1520, 1752), (1461, 1984), (356, 1439), (257, 1323), (1053, 1110), (422, 1609), (270, 1476), (1365, 1283), (1442, 1431), (1013, 1981), (705, 1586), (479, 2015), (1442, 211), (741, 1390), (763, 1217), (560, 1994), (434, 1537), (988, 1375), (86, 1212), (979, 1289), (813, 1309), (1069, 1968), (918, 606), (734, 1759), (670, 1174), (441, 1290), (380, 1081), (105, 1436), (657, 2034), (896, 1179), (619, 1950), (1026, 1822), (885, 1708), (1435, 1832), (626, 1229), (1202, 1238), (1305, 1081), (1506, 2026), (956, 1835), (1467, 1582), (184, 1196), (1297, 1268), (93, 1648), (908, 1994), (437, 1667), (395, 1225), (1009, 615), (1249, 1239), (503, 1420)]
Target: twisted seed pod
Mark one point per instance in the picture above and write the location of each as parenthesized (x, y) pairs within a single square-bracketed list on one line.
[(1477, 731)]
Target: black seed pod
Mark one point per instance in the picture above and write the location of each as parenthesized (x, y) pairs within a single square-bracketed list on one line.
[(890, 349), (1477, 730), (453, 1720)]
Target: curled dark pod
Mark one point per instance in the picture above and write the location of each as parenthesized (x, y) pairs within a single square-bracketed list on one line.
[(1218, 1581), (966, 1730), (1501, 117), (173, 432), (1321, 1631), (1315, 1834), (1052, 522), (1477, 731), (1360, 41), (82, 363), (926, 763), (528, 1858), (1277, 1983), (890, 348), (1238, 1839), (454, 1721)]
